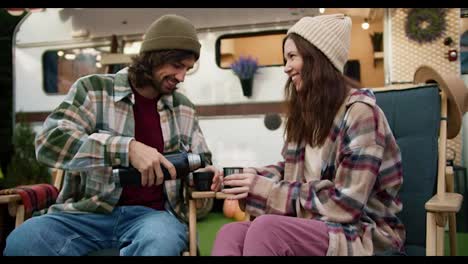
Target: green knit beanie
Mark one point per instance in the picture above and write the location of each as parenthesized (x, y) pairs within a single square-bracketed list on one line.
[(171, 32)]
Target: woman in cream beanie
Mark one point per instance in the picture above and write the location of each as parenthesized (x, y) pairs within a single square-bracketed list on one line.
[(336, 192)]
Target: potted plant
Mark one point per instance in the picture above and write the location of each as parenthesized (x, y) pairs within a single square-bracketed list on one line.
[(24, 169), (245, 68), (377, 41)]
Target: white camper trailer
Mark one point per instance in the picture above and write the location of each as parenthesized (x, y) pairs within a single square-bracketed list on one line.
[(49, 44), (55, 46)]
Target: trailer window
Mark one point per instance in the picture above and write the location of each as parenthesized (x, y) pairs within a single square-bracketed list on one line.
[(266, 46), (62, 68)]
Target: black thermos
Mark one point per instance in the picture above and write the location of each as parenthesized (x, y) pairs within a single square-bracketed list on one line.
[(183, 162)]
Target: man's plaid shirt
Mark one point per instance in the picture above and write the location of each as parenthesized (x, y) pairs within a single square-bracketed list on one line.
[(90, 132)]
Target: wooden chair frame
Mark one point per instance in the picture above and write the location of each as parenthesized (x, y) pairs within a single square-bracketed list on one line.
[(445, 203)]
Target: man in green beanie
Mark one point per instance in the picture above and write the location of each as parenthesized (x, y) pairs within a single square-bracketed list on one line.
[(125, 119)]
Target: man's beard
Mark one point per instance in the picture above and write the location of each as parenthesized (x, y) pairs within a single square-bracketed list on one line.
[(157, 85)]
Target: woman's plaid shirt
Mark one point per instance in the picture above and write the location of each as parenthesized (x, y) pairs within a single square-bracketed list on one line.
[(356, 194)]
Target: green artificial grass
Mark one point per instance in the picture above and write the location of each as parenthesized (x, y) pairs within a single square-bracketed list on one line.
[(462, 244), (207, 229)]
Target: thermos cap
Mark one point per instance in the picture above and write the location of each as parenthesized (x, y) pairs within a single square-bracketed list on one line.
[(196, 161)]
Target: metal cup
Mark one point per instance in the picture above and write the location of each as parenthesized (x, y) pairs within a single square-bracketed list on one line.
[(203, 180), (231, 170)]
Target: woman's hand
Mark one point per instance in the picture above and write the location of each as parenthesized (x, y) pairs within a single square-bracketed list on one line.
[(240, 183)]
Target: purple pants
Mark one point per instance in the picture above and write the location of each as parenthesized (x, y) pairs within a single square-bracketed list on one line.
[(272, 235)]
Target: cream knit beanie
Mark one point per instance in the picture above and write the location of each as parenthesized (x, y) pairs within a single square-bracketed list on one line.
[(331, 34)]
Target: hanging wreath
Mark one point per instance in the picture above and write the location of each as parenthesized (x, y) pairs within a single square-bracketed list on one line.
[(425, 24)]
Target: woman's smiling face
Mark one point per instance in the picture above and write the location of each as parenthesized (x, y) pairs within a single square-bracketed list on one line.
[(294, 63)]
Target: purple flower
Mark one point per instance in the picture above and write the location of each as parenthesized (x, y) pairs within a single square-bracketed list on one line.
[(245, 67)]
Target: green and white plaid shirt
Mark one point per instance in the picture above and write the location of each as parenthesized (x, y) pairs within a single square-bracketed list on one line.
[(90, 132)]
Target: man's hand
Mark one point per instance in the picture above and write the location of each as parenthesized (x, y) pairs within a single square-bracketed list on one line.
[(217, 178), (148, 161)]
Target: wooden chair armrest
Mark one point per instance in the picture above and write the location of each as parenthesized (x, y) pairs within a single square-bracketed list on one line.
[(9, 198), (444, 203), (202, 195), (221, 195), (13, 201), (15, 207)]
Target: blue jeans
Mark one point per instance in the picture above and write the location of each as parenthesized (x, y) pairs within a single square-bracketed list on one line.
[(135, 230)]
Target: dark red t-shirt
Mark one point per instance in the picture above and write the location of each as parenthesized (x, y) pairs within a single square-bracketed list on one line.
[(147, 131)]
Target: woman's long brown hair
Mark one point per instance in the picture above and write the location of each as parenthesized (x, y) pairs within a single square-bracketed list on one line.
[(311, 111)]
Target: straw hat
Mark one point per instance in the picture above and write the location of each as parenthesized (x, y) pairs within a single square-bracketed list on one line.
[(456, 92)]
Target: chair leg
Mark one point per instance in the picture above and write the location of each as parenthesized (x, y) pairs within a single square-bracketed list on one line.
[(19, 215), (430, 234), (192, 227), (17, 210), (449, 178), (453, 234), (440, 240)]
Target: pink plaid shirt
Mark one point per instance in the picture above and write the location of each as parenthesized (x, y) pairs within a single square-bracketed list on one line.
[(356, 193)]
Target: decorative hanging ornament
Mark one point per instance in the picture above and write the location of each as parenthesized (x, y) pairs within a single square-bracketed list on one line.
[(425, 24)]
